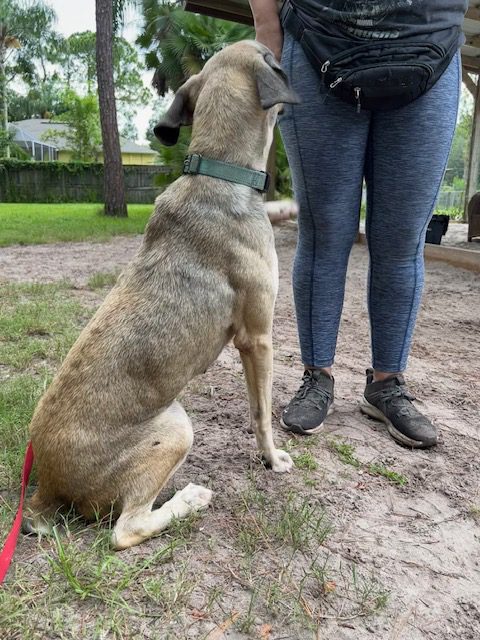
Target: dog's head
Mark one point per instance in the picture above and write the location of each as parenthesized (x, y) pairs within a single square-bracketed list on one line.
[(246, 71)]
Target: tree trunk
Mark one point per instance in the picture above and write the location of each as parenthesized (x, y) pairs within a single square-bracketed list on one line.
[(114, 185), (3, 105)]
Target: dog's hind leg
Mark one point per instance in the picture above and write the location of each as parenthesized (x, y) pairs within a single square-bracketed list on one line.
[(157, 459), (257, 358)]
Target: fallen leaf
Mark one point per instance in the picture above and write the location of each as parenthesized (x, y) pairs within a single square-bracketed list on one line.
[(329, 586), (265, 631), (198, 615)]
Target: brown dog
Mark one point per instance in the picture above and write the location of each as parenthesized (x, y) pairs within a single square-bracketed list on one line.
[(109, 433)]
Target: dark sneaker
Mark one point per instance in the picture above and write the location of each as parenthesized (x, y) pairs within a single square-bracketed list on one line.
[(312, 403), (389, 401)]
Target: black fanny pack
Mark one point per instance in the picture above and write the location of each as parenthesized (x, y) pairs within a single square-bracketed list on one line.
[(379, 74)]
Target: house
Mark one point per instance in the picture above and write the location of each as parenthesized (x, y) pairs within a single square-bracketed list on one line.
[(35, 137)]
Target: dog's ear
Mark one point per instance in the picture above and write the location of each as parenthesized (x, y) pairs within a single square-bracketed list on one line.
[(180, 113), (272, 83)]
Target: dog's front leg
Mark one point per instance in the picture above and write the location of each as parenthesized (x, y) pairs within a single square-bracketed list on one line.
[(257, 358)]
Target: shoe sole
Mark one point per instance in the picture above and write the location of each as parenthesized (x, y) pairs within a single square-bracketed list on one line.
[(372, 411), (306, 432)]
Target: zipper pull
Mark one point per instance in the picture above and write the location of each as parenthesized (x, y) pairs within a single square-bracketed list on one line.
[(337, 81), (325, 66), (357, 91)]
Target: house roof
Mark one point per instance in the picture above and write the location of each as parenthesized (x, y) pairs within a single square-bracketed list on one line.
[(37, 129)]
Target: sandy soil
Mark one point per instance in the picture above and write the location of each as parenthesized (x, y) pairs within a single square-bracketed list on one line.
[(422, 541)]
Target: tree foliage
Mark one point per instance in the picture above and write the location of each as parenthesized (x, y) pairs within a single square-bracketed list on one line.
[(43, 100), (79, 67), (83, 132), (26, 34)]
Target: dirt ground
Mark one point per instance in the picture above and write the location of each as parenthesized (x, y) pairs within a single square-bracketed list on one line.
[(422, 540)]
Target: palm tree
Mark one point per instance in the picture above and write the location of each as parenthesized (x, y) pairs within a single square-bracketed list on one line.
[(179, 43), (114, 184)]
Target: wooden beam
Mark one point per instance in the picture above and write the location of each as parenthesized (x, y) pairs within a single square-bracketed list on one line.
[(469, 83), (471, 63), (473, 13), (473, 40), (234, 10), (474, 155)]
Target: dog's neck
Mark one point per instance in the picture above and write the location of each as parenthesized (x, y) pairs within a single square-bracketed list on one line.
[(233, 139), (242, 152)]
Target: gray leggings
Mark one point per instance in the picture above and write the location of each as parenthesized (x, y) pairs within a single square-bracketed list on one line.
[(402, 155)]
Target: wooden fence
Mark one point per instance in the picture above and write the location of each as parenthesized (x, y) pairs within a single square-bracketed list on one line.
[(73, 182)]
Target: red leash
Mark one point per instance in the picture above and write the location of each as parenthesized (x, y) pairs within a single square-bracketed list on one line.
[(8, 550)]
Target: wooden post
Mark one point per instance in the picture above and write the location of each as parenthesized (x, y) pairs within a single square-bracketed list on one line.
[(272, 170), (474, 156)]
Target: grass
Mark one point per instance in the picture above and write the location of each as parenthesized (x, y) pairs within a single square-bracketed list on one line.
[(102, 279), (346, 453), (298, 522), (38, 325), (73, 586), (474, 512), (37, 322), (292, 578), (306, 461), (30, 223), (81, 575)]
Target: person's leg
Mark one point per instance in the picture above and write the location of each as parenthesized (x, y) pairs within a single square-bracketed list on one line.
[(406, 159), (326, 141)]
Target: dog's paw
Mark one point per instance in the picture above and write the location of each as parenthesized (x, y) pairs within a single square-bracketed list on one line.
[(282, 463), (196, 496)]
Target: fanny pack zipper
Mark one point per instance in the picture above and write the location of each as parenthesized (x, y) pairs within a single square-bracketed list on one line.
[(358, 90), (357, 50)]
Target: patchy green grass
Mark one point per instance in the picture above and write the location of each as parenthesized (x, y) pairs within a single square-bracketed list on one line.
[(38, 325), (378, 469), (78, 576), (306, 461), (30, 223), (18, 398), (37, 322), (474, 512), (102, 279), (346, 454), (287, 568)]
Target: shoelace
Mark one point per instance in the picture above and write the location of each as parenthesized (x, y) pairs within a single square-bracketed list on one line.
[(398, 391), (311, 391)]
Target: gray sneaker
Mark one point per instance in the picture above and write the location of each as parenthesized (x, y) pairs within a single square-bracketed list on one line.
[(311, 404), (389, 401)]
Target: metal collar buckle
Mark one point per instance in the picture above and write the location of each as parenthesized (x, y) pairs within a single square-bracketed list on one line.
[(191, 163)]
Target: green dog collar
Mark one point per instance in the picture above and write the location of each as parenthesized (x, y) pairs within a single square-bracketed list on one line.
[(197, 164)]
